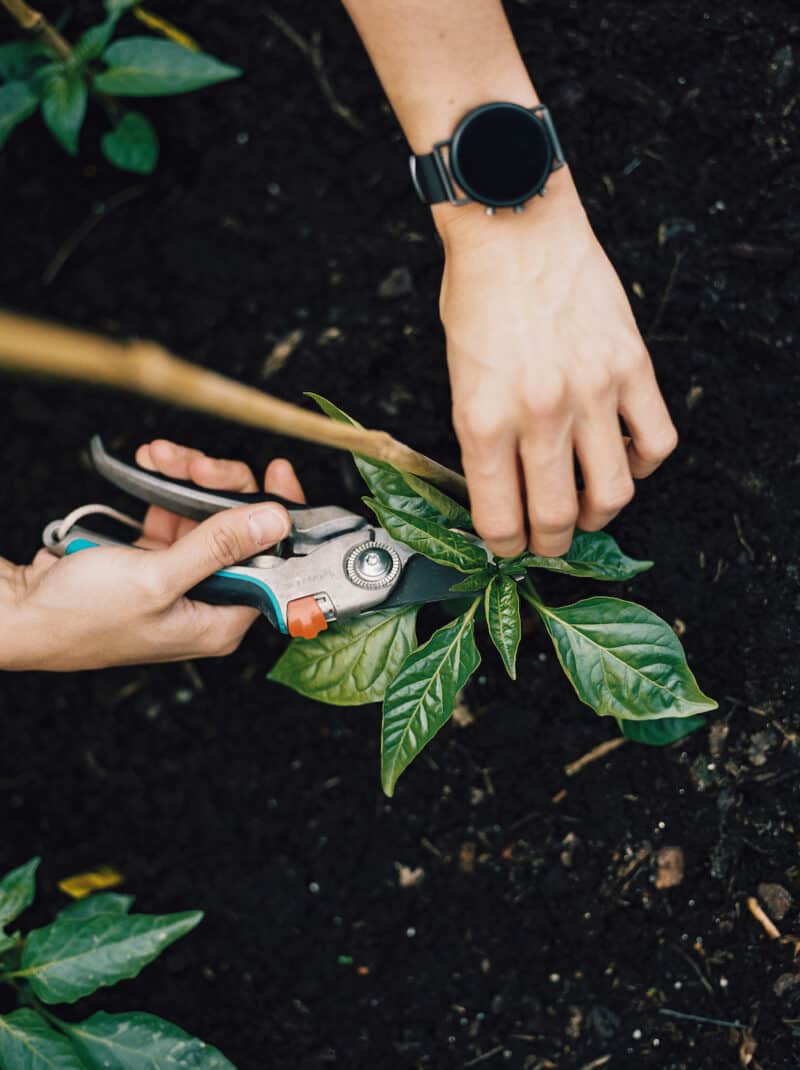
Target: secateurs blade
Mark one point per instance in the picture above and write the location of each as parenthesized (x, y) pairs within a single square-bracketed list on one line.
[(334, 563)]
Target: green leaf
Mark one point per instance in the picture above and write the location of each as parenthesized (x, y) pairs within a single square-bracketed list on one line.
[(17, 890), (421, 697), (18, 59), (662, 732), (429, 538), (623, 660), (64, 107), (17, 103), (476, 581), (352, 662), (454, 514), (92, 905), (593, 554), (92, 43), (70, 959), (148, 67), (136, 1041), (27, 1042), (132, 145), (119, 7), (397, 489), (8, 943), (502, 617)]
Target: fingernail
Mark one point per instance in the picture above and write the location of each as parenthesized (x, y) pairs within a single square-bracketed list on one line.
[(269, 524)]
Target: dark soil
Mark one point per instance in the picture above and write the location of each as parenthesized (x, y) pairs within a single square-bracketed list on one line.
[(538, 936)]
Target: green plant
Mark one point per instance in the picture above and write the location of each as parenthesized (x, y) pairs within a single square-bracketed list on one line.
[(92, 943), (48, 74), (622, 660)]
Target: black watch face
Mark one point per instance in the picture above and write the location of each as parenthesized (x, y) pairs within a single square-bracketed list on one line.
[(501, 155)]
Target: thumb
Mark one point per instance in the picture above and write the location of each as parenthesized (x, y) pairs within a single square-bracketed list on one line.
[(221, 541)]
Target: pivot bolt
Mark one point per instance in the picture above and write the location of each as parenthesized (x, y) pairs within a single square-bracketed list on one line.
[(372, 565)]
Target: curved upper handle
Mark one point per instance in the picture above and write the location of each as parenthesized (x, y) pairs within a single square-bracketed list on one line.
[(311, 525)]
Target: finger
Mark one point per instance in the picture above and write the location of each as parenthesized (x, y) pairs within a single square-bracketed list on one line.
[(144, 458), (549, 470), (160, 525), (218, 474), (607, 481), (280, 478), (202, 630), (653, 434), (219, 542), (172, 460), (495, 493)]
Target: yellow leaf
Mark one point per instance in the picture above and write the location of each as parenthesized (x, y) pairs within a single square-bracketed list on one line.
[(155, 22), (96, 880)]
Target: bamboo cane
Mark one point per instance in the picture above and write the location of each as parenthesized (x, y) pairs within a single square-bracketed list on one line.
[(34, 22), (147, 368)]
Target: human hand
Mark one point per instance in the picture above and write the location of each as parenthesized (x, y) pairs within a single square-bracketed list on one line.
[(544, 357), (120, 605)]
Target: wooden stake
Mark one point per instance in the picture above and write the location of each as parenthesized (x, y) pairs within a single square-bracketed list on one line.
[(34, 22), (143, 367)]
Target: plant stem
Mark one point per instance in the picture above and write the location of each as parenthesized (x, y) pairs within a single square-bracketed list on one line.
[(530, 594), (35, 23), (146, 368)]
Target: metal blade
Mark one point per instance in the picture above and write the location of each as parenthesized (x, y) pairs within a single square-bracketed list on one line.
[(424, 581)]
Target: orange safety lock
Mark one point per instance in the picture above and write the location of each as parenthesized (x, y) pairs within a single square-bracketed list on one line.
[(304, 618)]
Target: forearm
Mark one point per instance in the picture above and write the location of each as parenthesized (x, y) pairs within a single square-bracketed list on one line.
[(438, 61)]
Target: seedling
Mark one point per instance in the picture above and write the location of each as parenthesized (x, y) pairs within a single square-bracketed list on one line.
[(47, 74), (622, 660), (92, 943)]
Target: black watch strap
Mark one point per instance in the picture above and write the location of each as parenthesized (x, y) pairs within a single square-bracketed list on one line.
[(429, 182)]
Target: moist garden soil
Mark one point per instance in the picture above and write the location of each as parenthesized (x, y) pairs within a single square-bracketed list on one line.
[(534, 933)]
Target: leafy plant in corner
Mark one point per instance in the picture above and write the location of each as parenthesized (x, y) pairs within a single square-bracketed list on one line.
[(92, 943), (622, 660), (45, 72)]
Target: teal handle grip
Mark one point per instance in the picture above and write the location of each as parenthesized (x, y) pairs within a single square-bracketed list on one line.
[(224, 588)]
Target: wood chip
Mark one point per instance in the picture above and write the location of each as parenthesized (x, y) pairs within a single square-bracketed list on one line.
[(408, 877), (769, 926), (669, 867), (466, 858), (600, 751), (281, 352)]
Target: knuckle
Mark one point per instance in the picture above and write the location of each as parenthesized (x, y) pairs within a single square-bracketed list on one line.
[(475, 425), (631, 359), (154, 588), (596, 380), (546, 399), (555, 520), (500, 534), (658, 447), (225, 546), (613, 499)]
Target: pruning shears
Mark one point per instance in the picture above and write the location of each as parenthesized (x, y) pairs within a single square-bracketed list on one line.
[(334, 564)]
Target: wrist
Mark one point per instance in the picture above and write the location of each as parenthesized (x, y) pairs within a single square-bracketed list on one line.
[(469, 224)]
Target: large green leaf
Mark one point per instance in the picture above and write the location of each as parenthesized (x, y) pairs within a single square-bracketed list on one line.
[(17, 890), (422, 696), (430, 539), (64, 107), (400, 490), (623, 660), (476, 581), (351, 663), (17, 102), (92, 42), (502, 617), (662, 732), (70, 959), (148, 67), (92, 905), (593, 554), (136, 1041), (132, 145), (27, 1042)]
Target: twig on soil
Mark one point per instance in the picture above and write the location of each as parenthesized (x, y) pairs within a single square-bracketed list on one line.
[(766, 923), (483, 1058), (312, 50), (68, 247), (143, 367), (35, 23), (704, 981), (740, 536), (666, 296), (595, 1063), (600, 751), (700, 1018)]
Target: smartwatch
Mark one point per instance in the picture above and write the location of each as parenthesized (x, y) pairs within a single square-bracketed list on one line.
[(500, 155)]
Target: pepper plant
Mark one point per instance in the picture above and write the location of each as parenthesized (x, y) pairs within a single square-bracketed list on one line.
[(92, 943), (45, 73), (622, 660)]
